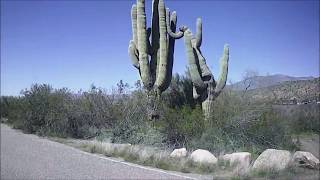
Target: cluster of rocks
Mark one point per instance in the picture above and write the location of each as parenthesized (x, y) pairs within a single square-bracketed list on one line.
[(198, 156), (270, 159)]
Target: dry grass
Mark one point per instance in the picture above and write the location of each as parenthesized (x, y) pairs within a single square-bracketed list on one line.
[(159, 158), (143, 155)]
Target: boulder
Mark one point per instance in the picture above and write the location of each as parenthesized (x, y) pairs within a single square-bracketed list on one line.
[(305, 159), (242, 159), (203, 156), (178, 153), (272, 159)]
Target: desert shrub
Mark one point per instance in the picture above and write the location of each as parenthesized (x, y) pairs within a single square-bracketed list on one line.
[(132, 125), (269, 131), (56, 117), (129, 122), (238, 122), (178, 123), (14, 108), (57, 112), (46, 110), (90, 112), (255, 135), (4, 105), (305, 119), (38, 106), (179, 93), (181, 125), (43, 110)]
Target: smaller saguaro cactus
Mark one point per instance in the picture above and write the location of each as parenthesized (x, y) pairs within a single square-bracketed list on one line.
[(205, 88), (155, 73)]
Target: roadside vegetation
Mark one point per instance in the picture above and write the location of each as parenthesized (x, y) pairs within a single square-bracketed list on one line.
[(160, 158), (143, 155), (119, 116)]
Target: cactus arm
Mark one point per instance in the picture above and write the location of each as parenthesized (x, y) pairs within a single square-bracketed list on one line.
[(163, 61), (142, 45), (134, 23), (223, 70), (154, 39), (199, 33), (172, 26), (205, 71), (193, 66), (171, 42), (133, 53), (196, 43), (169, 20)]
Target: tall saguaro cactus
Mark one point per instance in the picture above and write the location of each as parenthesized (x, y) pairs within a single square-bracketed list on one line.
[(155, 73), (205, 88)]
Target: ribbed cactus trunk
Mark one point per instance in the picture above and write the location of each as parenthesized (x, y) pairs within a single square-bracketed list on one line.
[(155, 73), (207, 103), (205, 88)]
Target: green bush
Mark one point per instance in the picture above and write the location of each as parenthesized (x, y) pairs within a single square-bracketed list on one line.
[(132, 125), (181, 125), (14, 108), (58, 112), (253, 133), (305, 119)]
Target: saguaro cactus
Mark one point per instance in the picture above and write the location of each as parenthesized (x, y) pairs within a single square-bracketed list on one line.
[(205, 88), (155, 73)]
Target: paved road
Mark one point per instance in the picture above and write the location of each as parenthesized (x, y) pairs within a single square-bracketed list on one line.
[(25, 156)]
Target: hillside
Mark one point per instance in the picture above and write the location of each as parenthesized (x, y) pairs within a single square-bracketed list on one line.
[(265, 81), (288, 92)]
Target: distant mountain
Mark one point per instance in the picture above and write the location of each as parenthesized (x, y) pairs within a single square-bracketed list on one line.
[(298, 91), (265, 81)]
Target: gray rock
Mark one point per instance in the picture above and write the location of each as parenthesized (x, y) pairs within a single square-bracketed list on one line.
[(305, 159), (178, 153), (238, 158), (203, 156), (272, 159)]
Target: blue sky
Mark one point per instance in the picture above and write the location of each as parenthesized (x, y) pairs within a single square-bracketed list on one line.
[(76, 43)]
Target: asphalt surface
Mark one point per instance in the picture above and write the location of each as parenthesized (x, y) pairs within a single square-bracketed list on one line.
[(26, 156)]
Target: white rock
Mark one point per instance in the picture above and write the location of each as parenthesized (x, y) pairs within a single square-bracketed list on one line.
[(305, 159), (272, 159), (203, 156), (177, 153), (242, 159)]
